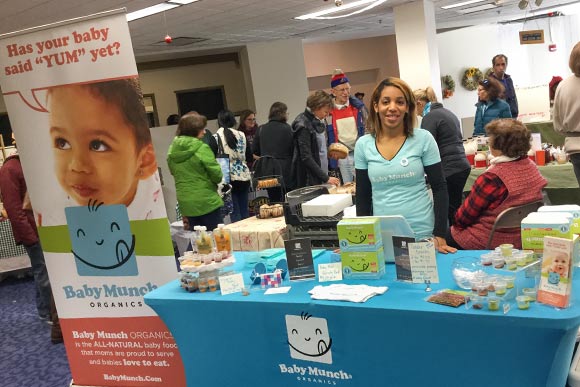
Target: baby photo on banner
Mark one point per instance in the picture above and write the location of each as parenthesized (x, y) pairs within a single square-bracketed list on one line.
[(76, 107)]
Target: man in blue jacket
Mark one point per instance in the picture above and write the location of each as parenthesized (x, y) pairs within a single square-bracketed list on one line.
[(499, 63)]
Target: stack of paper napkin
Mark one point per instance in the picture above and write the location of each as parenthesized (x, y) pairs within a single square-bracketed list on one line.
[(342, 292)]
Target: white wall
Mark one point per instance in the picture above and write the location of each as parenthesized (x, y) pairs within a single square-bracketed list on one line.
[(531, 66)]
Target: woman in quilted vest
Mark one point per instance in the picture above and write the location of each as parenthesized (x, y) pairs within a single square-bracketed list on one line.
[(512, 180)]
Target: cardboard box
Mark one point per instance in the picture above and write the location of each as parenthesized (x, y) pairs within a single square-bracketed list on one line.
[(359, 234), (326, 205), (573, 209), (363, 264), (538, 225), (556, 274)]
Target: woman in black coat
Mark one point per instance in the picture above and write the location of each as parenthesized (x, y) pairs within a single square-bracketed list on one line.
[(273, 146), (444, 126), (307, 127)]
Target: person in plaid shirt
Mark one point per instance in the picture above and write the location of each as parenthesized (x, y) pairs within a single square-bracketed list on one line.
[(512, 180)]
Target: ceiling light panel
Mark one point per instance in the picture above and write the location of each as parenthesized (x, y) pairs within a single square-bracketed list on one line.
[(335, 9), (150, 11), (456, 5), (482, 7), (182, 2)]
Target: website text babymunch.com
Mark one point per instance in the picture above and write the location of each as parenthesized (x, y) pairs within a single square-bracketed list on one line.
[(127, 378)]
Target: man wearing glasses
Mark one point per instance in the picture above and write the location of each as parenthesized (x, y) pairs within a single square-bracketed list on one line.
[(499, 63), (346, 122)]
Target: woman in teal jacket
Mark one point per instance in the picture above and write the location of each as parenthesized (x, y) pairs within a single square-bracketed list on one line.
[(196, 173), (490, 106)]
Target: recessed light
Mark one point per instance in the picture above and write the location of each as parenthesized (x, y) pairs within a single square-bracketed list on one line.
[(150, 11), (182, 2), (461, 4), (342, 8)]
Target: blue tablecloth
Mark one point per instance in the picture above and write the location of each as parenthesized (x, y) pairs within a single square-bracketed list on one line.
[(396, 339)]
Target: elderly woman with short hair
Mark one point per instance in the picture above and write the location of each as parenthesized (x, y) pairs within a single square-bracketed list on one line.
[(512, 180)]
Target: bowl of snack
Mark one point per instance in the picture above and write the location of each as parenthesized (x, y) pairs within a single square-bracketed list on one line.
[(465, 270)]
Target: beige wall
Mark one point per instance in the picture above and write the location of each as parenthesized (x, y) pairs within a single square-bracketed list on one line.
[(365, 62), (164, 82)]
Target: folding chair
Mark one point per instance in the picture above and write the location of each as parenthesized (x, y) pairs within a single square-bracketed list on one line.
[(512, 218)]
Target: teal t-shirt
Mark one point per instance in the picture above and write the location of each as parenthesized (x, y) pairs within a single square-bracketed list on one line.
[(398, 185)]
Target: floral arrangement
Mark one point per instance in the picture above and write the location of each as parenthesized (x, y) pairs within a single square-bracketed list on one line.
[(447, 85), (471, 78)]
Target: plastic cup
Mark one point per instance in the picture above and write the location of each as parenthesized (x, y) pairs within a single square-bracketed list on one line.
[(212, 283), (493, 303), (207, 258), (188, 254), (510, 281), (521, 259), (486, 259), (482, 289), (477, 302), (530, 293), (500, 287), (541, 157), (196, 260), (523, 302), (529, 255), (471, 159), (475, 283), (511, 263), (498, 262), (506, 249), (202, 284), (217, 257)]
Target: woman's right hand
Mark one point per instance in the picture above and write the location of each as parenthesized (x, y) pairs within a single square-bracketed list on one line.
[(333, 181)]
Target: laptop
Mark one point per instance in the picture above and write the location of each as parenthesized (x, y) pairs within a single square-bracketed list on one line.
[(392, 225)]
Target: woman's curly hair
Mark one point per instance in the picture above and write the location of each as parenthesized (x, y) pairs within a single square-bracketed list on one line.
[(509, 136)]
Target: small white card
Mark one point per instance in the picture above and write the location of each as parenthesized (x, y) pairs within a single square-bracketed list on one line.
[(423, 262), (233, 283), (281, 290), (330, 272)]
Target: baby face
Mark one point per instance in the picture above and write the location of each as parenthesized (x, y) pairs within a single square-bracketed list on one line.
[(560, 265), (95, 150)]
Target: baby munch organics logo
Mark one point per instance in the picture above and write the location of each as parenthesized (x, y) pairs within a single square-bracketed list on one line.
[(102, 242), (309, 340)]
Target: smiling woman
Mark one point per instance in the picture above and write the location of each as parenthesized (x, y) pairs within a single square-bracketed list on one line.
[(392, 160)]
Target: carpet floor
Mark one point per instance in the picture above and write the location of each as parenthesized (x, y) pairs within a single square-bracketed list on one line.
[(27, 356)]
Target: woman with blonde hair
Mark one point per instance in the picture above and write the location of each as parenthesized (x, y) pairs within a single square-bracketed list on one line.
[(445, 128), (391, 162)]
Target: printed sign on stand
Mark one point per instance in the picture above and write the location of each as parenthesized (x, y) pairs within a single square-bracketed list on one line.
[(75, 104)]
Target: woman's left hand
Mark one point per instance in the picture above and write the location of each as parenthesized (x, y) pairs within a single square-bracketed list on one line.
[(442, 247)]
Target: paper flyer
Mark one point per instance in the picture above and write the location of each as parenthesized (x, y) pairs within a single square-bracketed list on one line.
[(73, 96)]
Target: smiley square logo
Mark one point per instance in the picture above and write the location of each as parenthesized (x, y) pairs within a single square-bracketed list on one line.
[(102, 242), (308, 338)]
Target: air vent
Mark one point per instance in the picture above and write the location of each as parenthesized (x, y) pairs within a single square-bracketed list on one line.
[(180, 41)]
